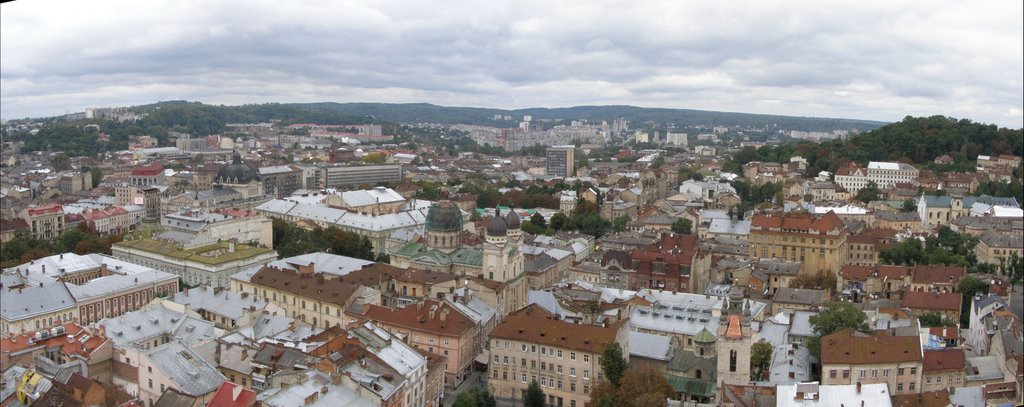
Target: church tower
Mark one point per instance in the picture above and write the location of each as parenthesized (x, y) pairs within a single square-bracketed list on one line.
[(734, 341), (496, 259), (503, 260)]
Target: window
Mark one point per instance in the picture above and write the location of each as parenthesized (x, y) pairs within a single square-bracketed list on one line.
[(572, 372), (913, 385), (559, 353), (586, 389), (533, 348), (497, 358), (524, 347), (559, 369), (151, 383), (899, 387), (913, 371), (524, 378), (863, 373), (732, 360), (586, 375), (543, 350), (572, 355), (559, 384), (149, 369), (885, 372), (506, 359), (832, 374), (572, 387), (901, 372), (586, 358)]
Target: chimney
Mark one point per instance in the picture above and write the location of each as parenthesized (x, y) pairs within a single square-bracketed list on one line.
[(444, 314), (858, 391), (103, 270)]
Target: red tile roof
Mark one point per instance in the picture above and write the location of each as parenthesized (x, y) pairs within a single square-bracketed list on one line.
[(938, 274), (233, 395), (85, 348), (428, 316), (854, 348), (533, 324), (923, 300), (946, 359), (148, 170), (798, 222)]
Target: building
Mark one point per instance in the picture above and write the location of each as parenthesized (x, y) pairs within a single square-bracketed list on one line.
[(304, 292), (210, 263), (49, 354), (560, 161), (998, 248), (31, 308), (174, 366), (239, 226), (146, 196), (668, 264), (435, 327), (281, 180), (884, 174), (533, 344), (943, 369), (74, 182), (358, 175), (817, 242), (45, 222), (734, 341), (851, 357), (807, 394), (500, 258), (946, 304), (788, 299), (148, 175)]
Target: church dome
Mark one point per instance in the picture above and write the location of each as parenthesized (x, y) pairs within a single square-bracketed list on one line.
[(444, 217), (497, 227), (236, 172), (512, 220)]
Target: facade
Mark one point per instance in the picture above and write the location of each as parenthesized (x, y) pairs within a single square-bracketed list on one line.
[(435, 327), (304, 294), (818, 242), (239, 226), (45, 222), (211, 264), (998, 248), (943, 369), (148, 175), (146, 196), (667, 265), (533, 344), (35, 308), (281, 180), (734, 340), (850, 357), (356, 175), (560, 161), (884, 174)]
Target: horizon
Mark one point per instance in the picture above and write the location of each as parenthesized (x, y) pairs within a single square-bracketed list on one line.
[(871, 61)]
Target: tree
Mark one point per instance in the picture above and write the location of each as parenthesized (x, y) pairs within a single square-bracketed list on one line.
[(682, 226), (559, 221), (930, 319), (868, 193), (640, 385), (534, 396), (760, 358), (538, 219), (613, 364), (909, 205), (61, 162), (822, 280), (969, 287), (620, 223), (96, 174), (475, 397), (834, 317)]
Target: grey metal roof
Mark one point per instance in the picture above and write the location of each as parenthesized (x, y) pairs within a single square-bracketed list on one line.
[(30, 301), (220, 302), (191, 374), (295, 394), (650, 346), (729, 226), (790, 359), (136, 328), (114, 283)]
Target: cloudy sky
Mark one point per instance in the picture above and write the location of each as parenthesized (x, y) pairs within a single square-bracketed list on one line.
[(878, 60)]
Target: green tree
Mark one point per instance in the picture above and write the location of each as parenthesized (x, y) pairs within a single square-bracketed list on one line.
[(930, 319), (620, 223), (760, 359), (534, 396), (538, 219), (559, 221), (475, 397), (682, 226), (834, 317), (639, 387), (61, 162), (969, 286), (613, 364), (909, 205), (868, 193)]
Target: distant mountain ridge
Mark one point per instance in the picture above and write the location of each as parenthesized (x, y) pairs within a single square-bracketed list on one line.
[(430, 113)]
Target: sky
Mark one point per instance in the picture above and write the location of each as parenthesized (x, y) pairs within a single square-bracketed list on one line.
[(876, 60)]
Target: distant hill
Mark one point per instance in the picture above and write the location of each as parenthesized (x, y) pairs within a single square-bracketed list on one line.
[(428, 113)]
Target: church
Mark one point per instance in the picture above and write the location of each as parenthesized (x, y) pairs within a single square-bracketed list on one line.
[(499, 259), (236, 185)]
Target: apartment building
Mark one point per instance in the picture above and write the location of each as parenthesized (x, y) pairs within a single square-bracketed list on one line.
[(210, 264), (560, 162), (884, 174), (303, 293), (817, 242), (45, 222), (435, 327), (998, 248), (356, 175), (850, 357), (533, 344), (281, 180)]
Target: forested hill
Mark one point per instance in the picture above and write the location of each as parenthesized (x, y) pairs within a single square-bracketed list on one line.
[(428, 113), (916, 140)]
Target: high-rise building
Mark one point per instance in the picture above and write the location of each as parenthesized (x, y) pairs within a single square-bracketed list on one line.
[(561, 161), (356, 175)]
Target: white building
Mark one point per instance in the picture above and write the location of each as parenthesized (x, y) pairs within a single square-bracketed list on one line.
[(813, 394), (884, 174)]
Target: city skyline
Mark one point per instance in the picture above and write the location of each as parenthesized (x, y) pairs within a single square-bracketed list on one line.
[(874, 61)]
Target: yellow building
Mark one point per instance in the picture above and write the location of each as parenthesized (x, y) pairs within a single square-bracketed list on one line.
[(563, 358), (817, 242)]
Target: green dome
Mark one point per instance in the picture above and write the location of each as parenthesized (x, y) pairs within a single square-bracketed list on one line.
[(444, 217), (704, 336)]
